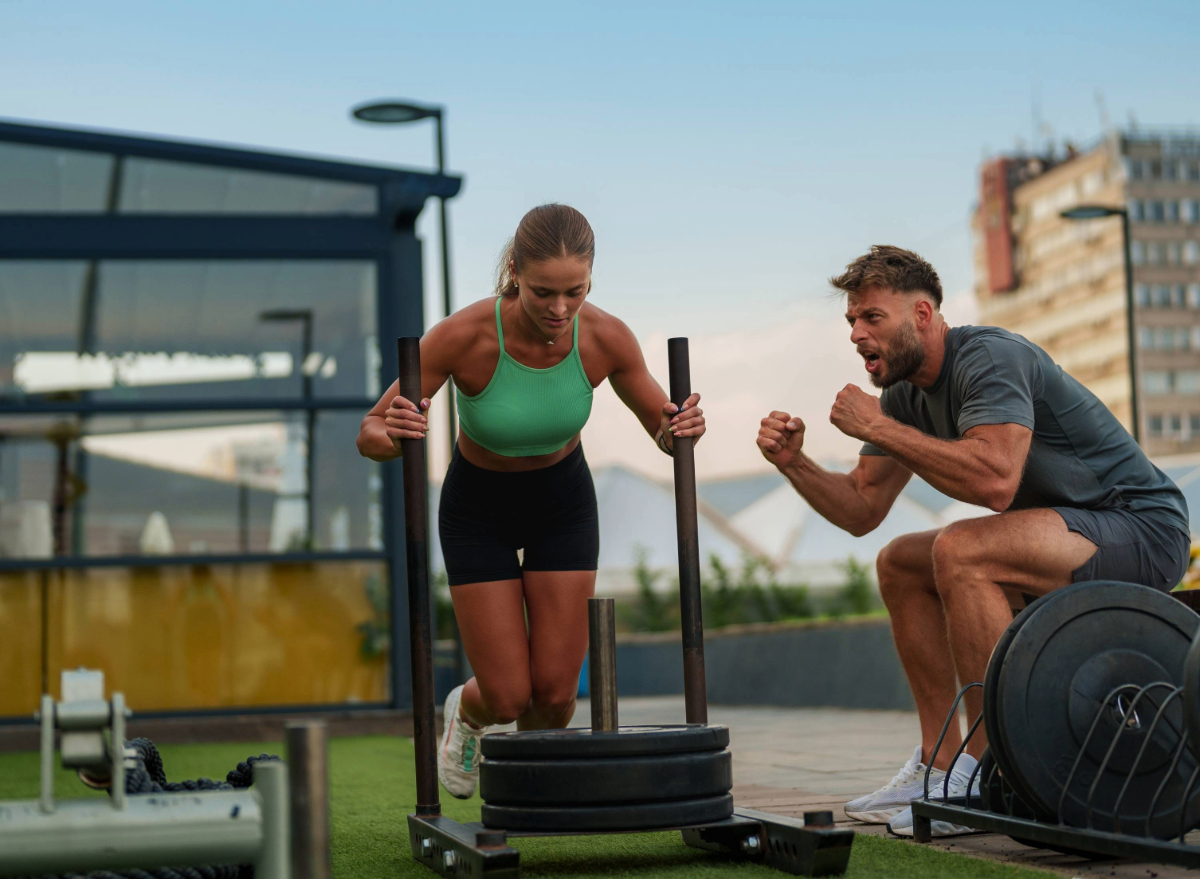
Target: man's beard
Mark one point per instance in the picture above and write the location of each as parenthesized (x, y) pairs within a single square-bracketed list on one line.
[(902, 358)]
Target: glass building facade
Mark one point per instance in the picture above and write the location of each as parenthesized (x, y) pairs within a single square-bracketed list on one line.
[(189, 337)]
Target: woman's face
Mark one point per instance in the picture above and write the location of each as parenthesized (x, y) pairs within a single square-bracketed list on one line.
[(552, 291)]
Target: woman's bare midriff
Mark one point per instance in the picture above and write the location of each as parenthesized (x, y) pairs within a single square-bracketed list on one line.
[(489, 460)]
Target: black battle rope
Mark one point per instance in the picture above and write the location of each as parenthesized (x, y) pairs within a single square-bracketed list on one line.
[(148, 777)]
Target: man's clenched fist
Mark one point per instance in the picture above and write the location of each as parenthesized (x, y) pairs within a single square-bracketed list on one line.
[(780, 438), (855, 412)]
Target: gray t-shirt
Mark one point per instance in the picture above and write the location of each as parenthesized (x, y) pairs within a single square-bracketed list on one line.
[(1080, 455)]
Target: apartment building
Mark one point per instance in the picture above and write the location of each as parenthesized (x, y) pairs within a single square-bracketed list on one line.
[(1061, 283)]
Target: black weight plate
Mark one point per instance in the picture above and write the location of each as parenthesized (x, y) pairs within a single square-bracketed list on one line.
[(990, 678), (995, 793), (605, 779), (626, 741), (1191, 696), (1078, 645), (641, 816), (998, 797)]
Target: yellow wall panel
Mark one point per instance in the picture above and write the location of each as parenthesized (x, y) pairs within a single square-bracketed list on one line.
[(21, 641), (203, 636)]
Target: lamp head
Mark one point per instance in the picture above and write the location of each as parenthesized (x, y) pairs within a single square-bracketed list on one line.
[(394, 112)]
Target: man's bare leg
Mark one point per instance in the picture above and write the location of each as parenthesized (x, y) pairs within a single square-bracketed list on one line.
[(979, 564), (906, 582)]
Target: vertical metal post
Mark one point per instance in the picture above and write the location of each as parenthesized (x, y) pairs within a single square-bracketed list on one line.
[(691, 618), (420, 626), (1131, 330), (46, 803), (310, 434), (117, 751), (243, 505), (274, 858), (446, 306), (602, 663), (308, 779)]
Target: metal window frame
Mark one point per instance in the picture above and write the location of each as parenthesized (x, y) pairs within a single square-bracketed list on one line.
[(388, 238)]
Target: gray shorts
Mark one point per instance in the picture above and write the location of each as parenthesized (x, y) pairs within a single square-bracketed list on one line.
[(1131, 547)]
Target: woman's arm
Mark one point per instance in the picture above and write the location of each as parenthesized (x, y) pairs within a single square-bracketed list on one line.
[(394, 418), (643, 395)]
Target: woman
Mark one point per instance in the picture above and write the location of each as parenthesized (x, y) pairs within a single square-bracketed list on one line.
[(524, 364)]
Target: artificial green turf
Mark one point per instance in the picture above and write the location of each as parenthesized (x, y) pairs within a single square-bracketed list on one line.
[(372, 790)]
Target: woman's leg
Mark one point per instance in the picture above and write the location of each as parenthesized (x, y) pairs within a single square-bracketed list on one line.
[(558, 641), (491, 620)]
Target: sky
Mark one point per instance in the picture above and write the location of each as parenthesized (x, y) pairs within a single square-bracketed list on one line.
[(730, 156)]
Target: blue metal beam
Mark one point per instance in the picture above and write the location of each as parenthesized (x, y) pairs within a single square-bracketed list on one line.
[(427, 184), (143, 236)]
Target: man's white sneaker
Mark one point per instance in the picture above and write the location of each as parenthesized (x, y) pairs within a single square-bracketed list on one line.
[(893, 798), (902, 824), (458, 756)]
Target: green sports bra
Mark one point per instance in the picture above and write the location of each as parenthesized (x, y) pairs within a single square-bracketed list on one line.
[(525, 411)]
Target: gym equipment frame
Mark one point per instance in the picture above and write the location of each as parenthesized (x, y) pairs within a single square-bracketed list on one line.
[(282, 836), (1158, 713)]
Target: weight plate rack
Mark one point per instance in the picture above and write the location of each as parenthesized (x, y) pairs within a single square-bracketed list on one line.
[(1118, 773)]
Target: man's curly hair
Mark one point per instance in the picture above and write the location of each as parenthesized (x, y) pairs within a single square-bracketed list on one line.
[(891, 268)]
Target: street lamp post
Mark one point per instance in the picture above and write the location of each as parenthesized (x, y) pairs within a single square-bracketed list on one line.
[(1092, 212), (305, 316), (399, 113)]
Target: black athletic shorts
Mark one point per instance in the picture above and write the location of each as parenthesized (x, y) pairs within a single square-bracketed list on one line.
[(485, 516), (1132, 547)]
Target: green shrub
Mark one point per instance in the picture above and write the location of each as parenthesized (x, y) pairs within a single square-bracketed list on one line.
[(857, 595), (649, 610)]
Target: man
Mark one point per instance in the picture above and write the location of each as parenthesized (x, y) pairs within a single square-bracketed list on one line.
[(986, 417)]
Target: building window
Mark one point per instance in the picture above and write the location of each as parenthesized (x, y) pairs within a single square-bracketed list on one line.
[(1194, 424), (1135, 168), (1183, 338), (1155, 170), (1187, 381), (1154, 253), (1191, 252), (1136, 212), (1146, 338), (1179, 297), (1137, 253), (1164, 338), (1169, 170), (1142, 292), (1194, 295), (1155, 212), (1189, 210), (1155, 425), (1156, 382), (1162, 295), (1172, 211), (55, 180), (1176, 425), (1194, 171)]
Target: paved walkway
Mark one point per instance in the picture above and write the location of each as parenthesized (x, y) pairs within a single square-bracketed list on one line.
[(791, 760)]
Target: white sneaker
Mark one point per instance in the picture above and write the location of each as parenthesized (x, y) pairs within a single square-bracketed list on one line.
[(894, 797), (458, 756), (960, 774)]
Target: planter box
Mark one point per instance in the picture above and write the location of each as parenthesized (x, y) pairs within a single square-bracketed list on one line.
[(844, 664)]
